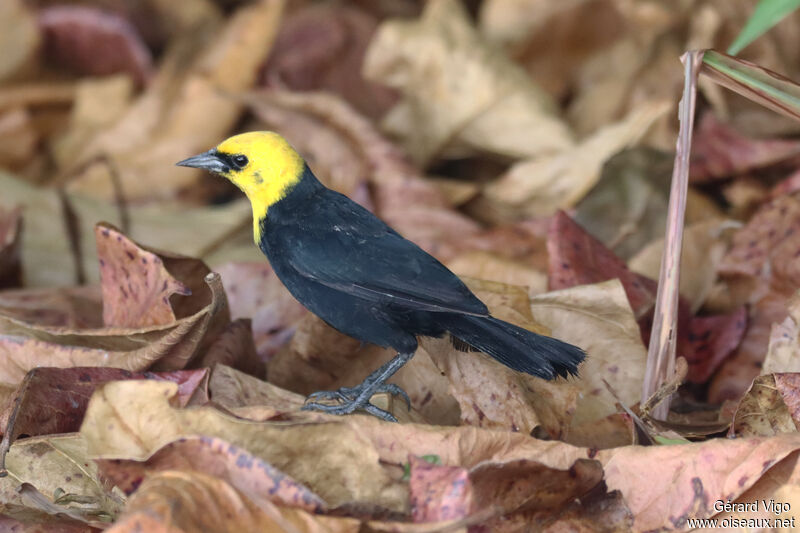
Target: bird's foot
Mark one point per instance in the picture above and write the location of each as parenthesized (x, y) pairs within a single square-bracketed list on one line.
[(354, 398)]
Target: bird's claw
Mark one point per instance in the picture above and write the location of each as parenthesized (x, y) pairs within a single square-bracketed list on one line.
[(348, 396)]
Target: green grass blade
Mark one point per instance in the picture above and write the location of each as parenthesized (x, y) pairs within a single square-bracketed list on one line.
[(751, 81), (766, 14)]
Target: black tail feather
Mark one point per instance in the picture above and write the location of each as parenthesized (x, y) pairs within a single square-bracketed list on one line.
[(515, 347)]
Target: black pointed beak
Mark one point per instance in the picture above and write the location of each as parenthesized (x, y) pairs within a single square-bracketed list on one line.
[(207, 160)]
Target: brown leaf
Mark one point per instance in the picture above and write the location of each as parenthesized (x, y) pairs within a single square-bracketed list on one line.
[(235, 390), (719, 151), (61, 525), (42, 468), (19, 36), (771, 406), (24, 346), (438, 493), (136, 285), (321, 47), (710, 340), (10, 246), (259, 480), (255, 292), (94, 42), (542, 185), (133, 419), (464, 89), (70, 307), (172, 501), (186, 109), (234, 347), (18, 136)]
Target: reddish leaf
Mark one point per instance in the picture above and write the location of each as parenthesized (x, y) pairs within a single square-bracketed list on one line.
[(321, 47), (438, 492), (93, 42), (136, 285), (577, 258), (54, 400), (710, 340), (234, 347), (718, 151)]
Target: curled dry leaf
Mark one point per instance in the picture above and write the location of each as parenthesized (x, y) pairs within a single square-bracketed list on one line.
[(321, 47), (771, 406), (24, 346), (719, 151), (254, 291), (542, 185), (597, 318), (136, 284), (195, 501), (456, 86), (94, 42), (259, 480), (132, 420), (783, 353), (181, 113), (53, 465), (10, 246)]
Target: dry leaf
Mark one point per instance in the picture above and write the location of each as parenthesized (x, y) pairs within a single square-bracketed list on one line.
[(132, 420), (69, 307), (179, 116), (783, 353), (597, 318), (771, 406), (260, 481), (438, 493), (173, 501), (55, 465), (543, 185), (19, 37), (456, 86), (94, 42), (10, 245)]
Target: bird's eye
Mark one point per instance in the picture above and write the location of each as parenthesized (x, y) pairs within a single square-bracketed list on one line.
[(240, 161)]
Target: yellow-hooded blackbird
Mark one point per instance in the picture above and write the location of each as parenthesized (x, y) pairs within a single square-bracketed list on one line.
[(362, 277)]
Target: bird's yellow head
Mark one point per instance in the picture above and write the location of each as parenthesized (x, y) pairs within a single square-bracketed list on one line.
[(261, 163)]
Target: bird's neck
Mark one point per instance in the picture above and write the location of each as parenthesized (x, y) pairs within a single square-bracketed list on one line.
[(283, 202)]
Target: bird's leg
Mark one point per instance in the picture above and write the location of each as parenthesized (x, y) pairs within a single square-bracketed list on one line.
[(353, 398)]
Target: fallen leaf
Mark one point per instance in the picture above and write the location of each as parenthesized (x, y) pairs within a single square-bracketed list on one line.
[(194, 501), (437, 492), (719, 151), (703, 248), (487, 266), (94, 42), (598, 318), (783, 352), (20, 38), (179, 114), (577, 258), (70, 307), (25, 346), (710, 340), (56, 465), (233, 390), (321, 47), (260, 481), (456, 86), (255, 292), (132, 420), (542, 185), (234, 347), (771, 406), (53, 400)]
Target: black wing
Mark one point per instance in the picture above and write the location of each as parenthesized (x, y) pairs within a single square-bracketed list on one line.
[(345, 247)]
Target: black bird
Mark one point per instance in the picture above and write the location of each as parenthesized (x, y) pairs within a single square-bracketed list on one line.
[(362, 277)]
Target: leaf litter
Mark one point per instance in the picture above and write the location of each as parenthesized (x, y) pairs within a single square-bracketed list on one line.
[(153, 368)]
